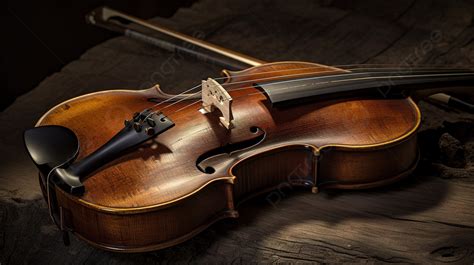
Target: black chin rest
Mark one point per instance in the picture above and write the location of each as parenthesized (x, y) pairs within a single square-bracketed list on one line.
[(54, 146)]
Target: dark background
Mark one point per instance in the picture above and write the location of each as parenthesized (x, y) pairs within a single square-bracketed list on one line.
[(425, 219), (43, 36)]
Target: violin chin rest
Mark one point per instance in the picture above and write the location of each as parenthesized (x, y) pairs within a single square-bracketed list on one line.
[(54, 147)]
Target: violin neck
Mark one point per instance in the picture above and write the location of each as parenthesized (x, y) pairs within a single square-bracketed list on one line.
[(384, 83)]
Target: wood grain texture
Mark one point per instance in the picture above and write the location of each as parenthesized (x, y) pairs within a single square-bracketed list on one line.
[(168, 170), (424, 219), (353, 134)]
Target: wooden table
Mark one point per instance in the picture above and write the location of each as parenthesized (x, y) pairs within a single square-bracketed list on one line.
[(427, 218)]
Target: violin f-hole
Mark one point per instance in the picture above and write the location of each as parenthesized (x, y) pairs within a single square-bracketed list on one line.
[(204, 163)]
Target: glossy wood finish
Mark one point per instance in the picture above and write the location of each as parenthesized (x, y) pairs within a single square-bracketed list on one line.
[(156, 196)]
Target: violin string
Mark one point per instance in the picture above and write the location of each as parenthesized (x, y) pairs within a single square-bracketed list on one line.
[(285, 88), (256, 80), (420, 67), (232, 83), (265, 78), (281, 70), (186, 106), (246, 81), (440, 66), (289, 75), (317, 77), (250, 94)]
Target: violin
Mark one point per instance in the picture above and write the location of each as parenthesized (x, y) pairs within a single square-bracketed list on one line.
[(135, 171)]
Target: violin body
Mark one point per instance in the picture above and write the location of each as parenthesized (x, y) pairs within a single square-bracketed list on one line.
[(198, 172)]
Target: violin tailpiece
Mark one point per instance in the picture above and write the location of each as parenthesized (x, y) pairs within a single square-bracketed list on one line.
[(215, 96)]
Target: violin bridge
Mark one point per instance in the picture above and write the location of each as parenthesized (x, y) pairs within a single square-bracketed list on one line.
[(215, 96)]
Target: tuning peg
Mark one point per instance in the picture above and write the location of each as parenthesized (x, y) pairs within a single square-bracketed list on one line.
[(137, 126), (150, 131), (151, 122)]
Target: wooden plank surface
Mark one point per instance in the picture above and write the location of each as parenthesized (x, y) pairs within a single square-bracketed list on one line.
[(427, 218)]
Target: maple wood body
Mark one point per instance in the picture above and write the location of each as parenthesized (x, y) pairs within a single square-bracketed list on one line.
[(156, 196)]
